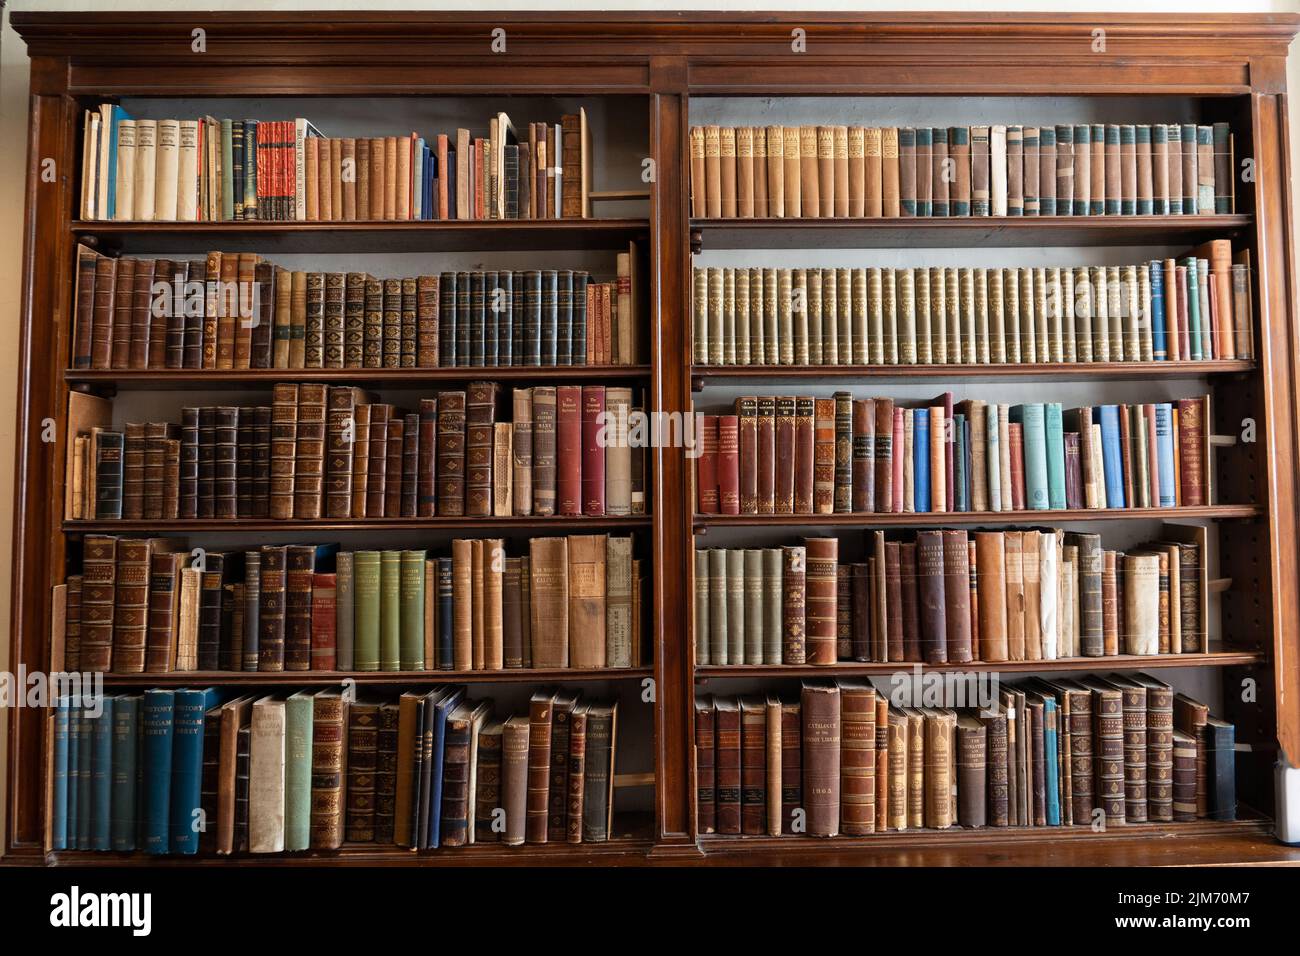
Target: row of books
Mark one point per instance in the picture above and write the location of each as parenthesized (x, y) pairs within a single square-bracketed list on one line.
[(322, 451), (1087, 169), (199, 771), (239, 311), (222, 170), (952, 596), (150, 605), (846, 759), (790, 454), (1194, 308)]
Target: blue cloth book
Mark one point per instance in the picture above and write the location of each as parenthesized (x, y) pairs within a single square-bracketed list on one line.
[(1165, 453), (85, 770), (156, 716), (102, 777), (960, 501), (441, 709), (1051, 736), (187, 766), (921, 459), (59, 811), (1107, 416), (126, 768), (1033, 434), (74, 771), (1159, 350), (1054, 433)]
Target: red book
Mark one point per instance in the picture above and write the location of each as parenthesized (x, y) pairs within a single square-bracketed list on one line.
[(1126, 456), (747, 415), (728, 464), (568, 450), (1017, 439), (593, 454), (804, 453), (896, 465), (323, 641), (765, 464), (889, 438), (706, 467), (784, 482)]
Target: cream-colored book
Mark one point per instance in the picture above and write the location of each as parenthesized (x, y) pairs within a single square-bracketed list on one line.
[(618, 453), (1100, 314), (921, 289), (1143, 284), (503, 468), (799, 314), (618, 601), (970, 321), (1021, 347), (889, 304), (905, 285), (1115, 310), (957, 325), (1004, 455), (1055, 308), (700, 308), (167, 170), (266, 777), (983, 332), (1141, 604), (996, 300), (909, 472), (785, 306), (775, 172), (1049, 549), (876, 314), (861, 336), (744, 335), (187, 172), (938, 316), (844, 311), (998, 170), (813, 298), (1069, 337), (146, 169), (758, 319), (125, 188)]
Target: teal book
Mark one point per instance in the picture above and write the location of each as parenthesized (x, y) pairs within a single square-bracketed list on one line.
[(126, 771), (1051, 739), (1054, 432), (298, 725), (59, 809), (102, 777), (185, 818), (85, 770), (1193, 308), (74, 778), (227, 171), (157, 713), (1033, 432)]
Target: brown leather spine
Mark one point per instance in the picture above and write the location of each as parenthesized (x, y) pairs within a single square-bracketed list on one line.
[(930, 578), (972, 771), (805, 454), (885, 455), (820, 710), (794, 565), (820, 602), (957, 616), (748, 465), (784, 493), (539, 765), (450, 475), (990, 562), (857, 758), (753, 765), (728, 465)]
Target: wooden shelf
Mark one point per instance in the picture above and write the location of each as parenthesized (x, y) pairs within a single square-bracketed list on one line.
[(964, 232), (516, 235), (211, 379), (894, 519), (1122, 662), (375, 678), (480, 524), (703, 376)]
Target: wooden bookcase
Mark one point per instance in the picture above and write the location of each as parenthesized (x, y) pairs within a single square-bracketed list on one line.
[(1231, 66)]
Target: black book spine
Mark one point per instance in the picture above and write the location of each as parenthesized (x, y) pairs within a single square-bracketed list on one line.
[(477, 320), (564, 317), (491, 306), (245, 469), (462, 350), (210, 600), (196, 282), (188, 485), (262, 461), (517, 319), (225, 467), (579, 343), (108, 476), (504, 303), (207, 461), (447, 319), (445, 607), (550, 316), (532, 317)]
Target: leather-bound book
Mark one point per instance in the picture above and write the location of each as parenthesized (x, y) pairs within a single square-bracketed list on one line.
[(102, 311), (354, 319), (728, 760), (372, 342), (990, 561), (843, 481), (284, 450), (123, 294), (569, 458), (784, 484), (480, 417), (823, 457), (522, 452), (543, 449), (931, 592), (390, 464), (386, 774), (805, 453), (884, 456), (996, 767), (539, 765), (940, 733), (1191, 451), (957, 611), (1090, 569), (129, 602), (863, 466), (586, 585), (324, 618), (558, 796), (333, 331), (225, 462), (598, 796), (328, 756), (820, 713), (309, 467), (164, 611), (1191, 717), (362, 761), (726, 463), (896, 800), (747, 454), (791, 766), (941, 172), (895, 640), (772, 782), (299, 565), (575, 797), (972, 771), (272, 610), (451, 453), (793, 603), (843, 611), (705, 781), (1133, 697), (857, 758), (1184, 777), (765, 455), (133, 449), (549, 589), (592, 482), (211, 596), (820, 599), (910, 607), (753, 765), (421, 440)]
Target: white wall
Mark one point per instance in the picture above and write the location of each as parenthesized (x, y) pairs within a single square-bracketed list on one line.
[(13, 147)]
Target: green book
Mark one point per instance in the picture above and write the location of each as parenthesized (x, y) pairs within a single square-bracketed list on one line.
[(1054, 437), (227, 171), (1193, 308), (298, 710), (1032, 432), (390, 610), (344, 612), (365, 604), (412, 610)]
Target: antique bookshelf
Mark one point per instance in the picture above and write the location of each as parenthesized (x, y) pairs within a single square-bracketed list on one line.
[(1231, 66)]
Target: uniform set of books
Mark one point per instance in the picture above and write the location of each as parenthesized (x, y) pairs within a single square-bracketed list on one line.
[(319, 769), (150, 605), (789, 454), (333, 451), (952, 596), (1192, 308), (239, 311), (839, 172), (847, 760), (224, 170)]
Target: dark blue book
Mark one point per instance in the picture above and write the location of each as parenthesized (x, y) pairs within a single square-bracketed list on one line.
[(187, 766), (579, 342), (960, 502), (447, 319), (491, 330), (532, 317), (74, 773), (102, 776), (85, 770), (446, 604), (1158, 335), (564, 317), (517, 318), (921, 459), (463, 320), (59, 810), (477, 320), (126, 770), (444, 706), (156, 715), (1221, 769), (504, 303), (550, 317), (1107, 416)]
